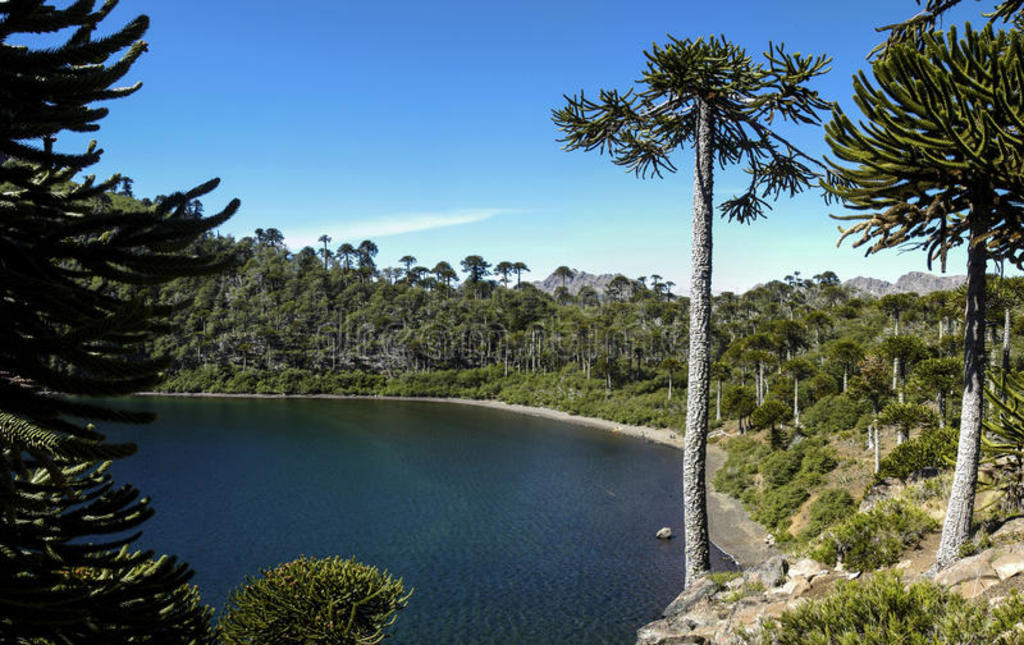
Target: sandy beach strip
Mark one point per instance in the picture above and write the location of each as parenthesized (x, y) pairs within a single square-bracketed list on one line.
[(730, 526)]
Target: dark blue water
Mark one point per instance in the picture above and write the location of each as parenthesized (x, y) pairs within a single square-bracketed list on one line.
[(510, 528)]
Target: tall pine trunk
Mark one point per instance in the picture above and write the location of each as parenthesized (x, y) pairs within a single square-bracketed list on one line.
[(698, 561), (796, 402), (957, 528)]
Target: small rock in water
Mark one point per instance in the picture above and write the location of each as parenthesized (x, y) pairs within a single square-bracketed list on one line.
[(664, 533)]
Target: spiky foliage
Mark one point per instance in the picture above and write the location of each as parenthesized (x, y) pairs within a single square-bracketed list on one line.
[(1003, 444), (945, 135), (640, 129), (940, 163), (925, 20), (59, 589), (711, 94), (309, 600), (77, 317)]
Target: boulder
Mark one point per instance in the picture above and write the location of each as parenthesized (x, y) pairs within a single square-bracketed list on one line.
[(660, 632), (974, 588), (796, 586), (807, 568), (699, 590), (1010, 531), (1008, 565), (664, 533), (972, 568), (770, 573)]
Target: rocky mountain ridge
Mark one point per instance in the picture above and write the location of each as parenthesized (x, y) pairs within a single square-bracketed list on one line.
[(916, 281)]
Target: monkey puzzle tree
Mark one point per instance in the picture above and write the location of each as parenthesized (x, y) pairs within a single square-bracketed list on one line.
[(939, 164), (911, 29), (75, 323), (709, 94)]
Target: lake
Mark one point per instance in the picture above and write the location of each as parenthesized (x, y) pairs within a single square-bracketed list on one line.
[(510, 528)]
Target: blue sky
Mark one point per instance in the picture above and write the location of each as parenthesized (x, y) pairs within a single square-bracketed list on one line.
[(426, 127)]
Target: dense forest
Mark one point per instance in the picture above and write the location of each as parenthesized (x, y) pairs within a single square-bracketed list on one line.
[(311, 322), (824, 372)]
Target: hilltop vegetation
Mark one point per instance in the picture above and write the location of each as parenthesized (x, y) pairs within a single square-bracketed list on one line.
[(809, 370)]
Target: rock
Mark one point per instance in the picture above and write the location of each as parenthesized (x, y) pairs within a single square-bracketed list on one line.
[(1008, 565), (796, 586), (807, 568), (664, 533), (974, 588), (904, 564), (690, 596), (971, 568), (853, 575), (770, 573), (1010, 531), (660, 632), (888, 487)]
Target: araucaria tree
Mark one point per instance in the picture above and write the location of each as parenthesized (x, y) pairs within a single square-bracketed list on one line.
[(709, 94), (75, 322), (940, 163)]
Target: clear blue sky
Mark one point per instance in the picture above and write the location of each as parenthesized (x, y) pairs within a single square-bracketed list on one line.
[(426, 127)]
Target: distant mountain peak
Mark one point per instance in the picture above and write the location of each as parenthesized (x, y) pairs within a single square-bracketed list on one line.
[(914, 282), (578, 280)]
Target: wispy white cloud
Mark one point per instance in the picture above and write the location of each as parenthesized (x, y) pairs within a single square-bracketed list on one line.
[(377, 227)]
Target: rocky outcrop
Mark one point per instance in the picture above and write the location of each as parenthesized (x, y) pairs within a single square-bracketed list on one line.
[(914, 282), (578, 280), (709, 612)]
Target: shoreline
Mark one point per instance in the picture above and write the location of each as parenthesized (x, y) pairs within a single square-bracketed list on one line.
[(729, 525)]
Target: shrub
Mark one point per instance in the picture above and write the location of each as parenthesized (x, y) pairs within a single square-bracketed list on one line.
[(880, 611), (832, 505), (834, 414), (867, 541), (779, 467), (777, 505), (311, 600), (934, 448), (736, 476)]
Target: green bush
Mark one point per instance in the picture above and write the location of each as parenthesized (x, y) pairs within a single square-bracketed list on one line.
[(834, 414), (934, 448), (736, 476), (881, 611), (776, 506), (779, 467), (868, 541), (313, 601), (831, 506)]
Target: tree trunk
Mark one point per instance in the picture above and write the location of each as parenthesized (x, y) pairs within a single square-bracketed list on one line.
[(695, 518), (942, 409), (796, 402), (1006, 340), (874, 428), (718, 401), (957, 528), (846, 377), (670, 385)]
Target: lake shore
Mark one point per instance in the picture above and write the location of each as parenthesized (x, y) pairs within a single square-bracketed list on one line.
[(729, 525)]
